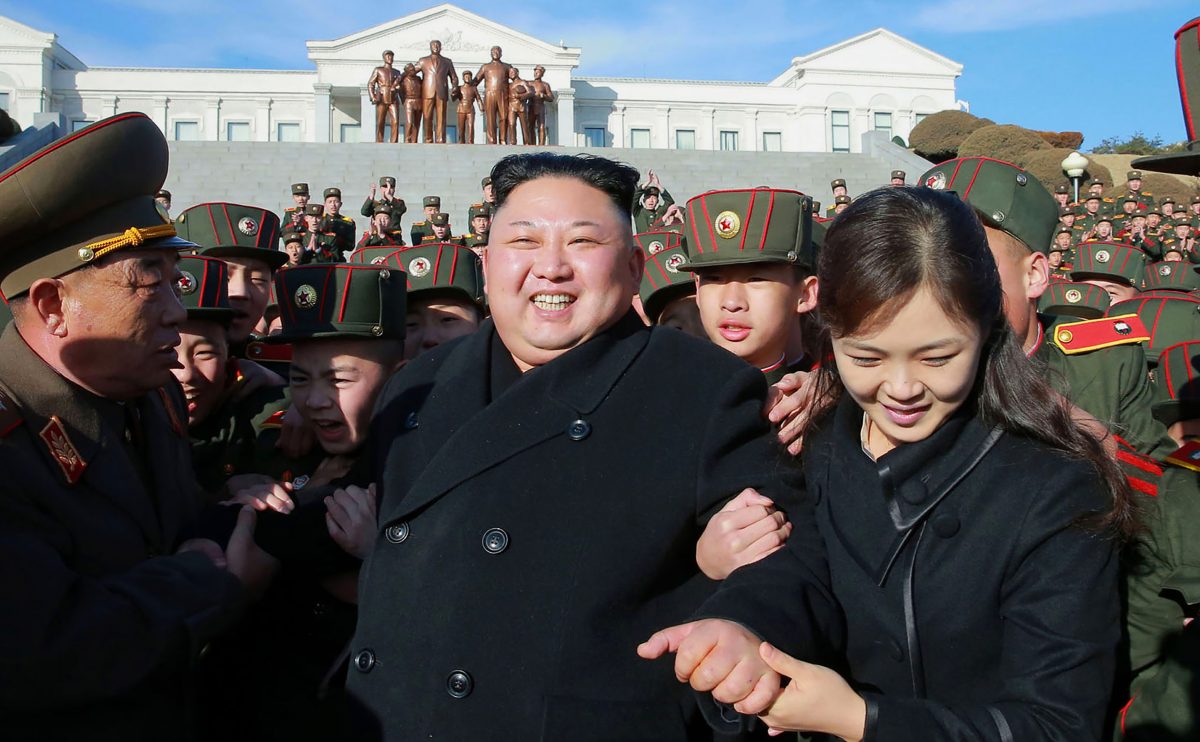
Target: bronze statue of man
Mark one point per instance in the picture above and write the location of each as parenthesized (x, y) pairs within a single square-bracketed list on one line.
[(410, 87), (437, 77), (541, 94), (494, 77), (467, 95), (518, 110), (383, 89)]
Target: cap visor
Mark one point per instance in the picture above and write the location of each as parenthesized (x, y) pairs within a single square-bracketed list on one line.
[(1180, 163), (273, 258)]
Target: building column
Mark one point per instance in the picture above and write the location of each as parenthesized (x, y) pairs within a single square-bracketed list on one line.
[(322, 105), (262, 121), (366, 115), (565, 118), (110, 106), (665, 127), (752, 127), (28, 102), (212, 121), (159, 114), (710, 119), (617, 125)]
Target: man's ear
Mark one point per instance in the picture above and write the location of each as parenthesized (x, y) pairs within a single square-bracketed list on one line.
[(45, 306), (809, 292), (637, 263), (1037, 275)]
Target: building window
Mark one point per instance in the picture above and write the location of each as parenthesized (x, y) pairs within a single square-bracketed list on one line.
[(349, 133), (595, 136), (840, 123), (187, 131), (77, 124), (883, 123), (685, 139), (451, 133), (4, 101), (772, 141), (287, 132), (729, 141), (237, 131), (639, 138)]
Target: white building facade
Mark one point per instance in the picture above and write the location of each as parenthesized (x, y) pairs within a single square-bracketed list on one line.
[(823, 102)]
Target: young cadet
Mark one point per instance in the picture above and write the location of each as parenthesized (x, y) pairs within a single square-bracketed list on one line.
[(752, 257), (338, 223), (1099, 368), (293, 247), (650, 205), (387, 197), (222, 426), (293, 216), (422, 229), (1060, 256), (667, 294), (346, 327), (381, 232), (479, 216), (324, 244), (445, 294), (440, 224), (1112, 266), (838, 186)]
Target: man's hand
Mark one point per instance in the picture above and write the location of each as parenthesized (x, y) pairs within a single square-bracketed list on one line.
[(350, 518), (672, 216), (817, 700), (295, 437), (747, 529), (654, 181), (789, 402), (207, 547), (250, 564), (718, 656), (373, 189)]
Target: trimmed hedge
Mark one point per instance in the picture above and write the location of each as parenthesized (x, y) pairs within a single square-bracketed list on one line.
[(938, 136), (1046, 166), (1003, 142)]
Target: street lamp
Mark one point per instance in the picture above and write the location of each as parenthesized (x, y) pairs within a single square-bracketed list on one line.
[(1073, 165)]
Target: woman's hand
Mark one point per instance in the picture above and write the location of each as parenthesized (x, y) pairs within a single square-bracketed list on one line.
[(817, 699), (747, 529)]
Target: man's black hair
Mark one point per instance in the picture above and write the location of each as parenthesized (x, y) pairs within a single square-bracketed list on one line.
[(618, 180)]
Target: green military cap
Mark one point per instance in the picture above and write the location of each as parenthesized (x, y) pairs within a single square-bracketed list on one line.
[(204, 288), (816, 207), (383, 208), (1102, 217), (1109, 260), (1170, 320), (662, 279), (386, 180), (487, 181), (332, 192), (1171, 275), (339, 300), (1155, 210), (479, 210), (1095, 181), (1008, 198), (898, 174), (82, 197), (1196, 199), (1092, 197), (841, 200), (314, 210), (440, 268), (1066, 210), (227, 230), (1177, 383), (299, 189), (837, 183), (432, 201), (1133, 175), (440, 219), (1061, 189), (756, 225), (163, 193), (1166, 200), (292, 236), (1070, 299), (372, 255)]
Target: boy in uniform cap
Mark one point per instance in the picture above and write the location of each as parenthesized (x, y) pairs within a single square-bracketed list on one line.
[(757, 236), (479, 216), (387, 197), (1167, 205), (1102, 230), (106, 609), (839, 204), (1060, 254), (1113, 266), (295, 214), (381, 233), (488, 192), (440, 224), (1181, 238), (1062, 195), (838, 186), (651, 202), (1087, 214), (1077, 300), (341, 225), (445, 294), (163, 197), (668, 295), (1095, 365), (1133, 190), (424, 228), (898, 177), (293, 247), (247, 239), (322, 242)]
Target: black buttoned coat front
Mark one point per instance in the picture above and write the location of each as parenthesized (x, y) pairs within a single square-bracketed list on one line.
[(527, 545)]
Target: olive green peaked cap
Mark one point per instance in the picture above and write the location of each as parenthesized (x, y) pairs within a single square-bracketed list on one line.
[(1172, 275), (372, 255), (225, 230), (1170, 320), (662, 279), (1009, 198), (1068, 299), (754, 225), (204, 288), (440, 267), (336, 300), (1177, 383), (82, 197), (1109, 260)]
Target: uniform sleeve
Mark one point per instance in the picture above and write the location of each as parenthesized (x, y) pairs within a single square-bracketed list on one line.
[(368, 208), (1061, 612), (666, 198), (68, 638), (1146, 434)]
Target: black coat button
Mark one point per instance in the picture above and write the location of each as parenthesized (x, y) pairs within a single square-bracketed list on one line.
[(579, 430), (459, 684), (364, 661), (397, 532), (914, 493), (495, 540), (411, 422), (946, 524)]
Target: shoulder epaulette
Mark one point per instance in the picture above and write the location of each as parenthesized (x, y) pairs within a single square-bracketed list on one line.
[(10, 416), (418, 224), (274, 421), (1187, 455), (1105, 332), (429, 238), (63, 450), (476, 206)]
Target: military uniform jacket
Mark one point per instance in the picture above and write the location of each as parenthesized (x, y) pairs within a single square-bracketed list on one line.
[(369, 206), (645, 220), (421, 230), (976, 607), (102, 619), (387, 238), (527, 546), (224, 444)]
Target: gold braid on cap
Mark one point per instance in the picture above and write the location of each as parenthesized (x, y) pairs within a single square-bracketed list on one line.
[(132, 237)]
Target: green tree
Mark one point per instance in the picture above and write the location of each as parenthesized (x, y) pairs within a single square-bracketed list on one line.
[(1136, 144)]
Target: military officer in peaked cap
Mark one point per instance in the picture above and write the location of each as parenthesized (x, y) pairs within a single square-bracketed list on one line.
[(105, 607)]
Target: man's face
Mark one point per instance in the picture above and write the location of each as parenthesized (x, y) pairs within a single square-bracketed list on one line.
[(1173, 256), (1181, 230), (430, 211), (1061, 198), (1104, 229), (1129, 206), (441, 230), (164, 202), (1092, 205), (388, 58), (911, 374), (651, 201), (249, 293), (1023, 277), (121, 321), (431, 322), (1196, 208), (295, 251), (897, 181), (489, 194), (1067, 219), (496, 52), (312, 222), (750, 310), (334, 384), (683, 315), (1116, 291), (480, 224), (435, 47), (1063, 240), (1135, 184), (560, 268), (840, 208), (383, 220), (1153, 220), (1168, 209), (387, 190), (333, 205), (1096, 189), (301, 199), (203, 356), (1139, 223), (1055, 258), (839, 191)]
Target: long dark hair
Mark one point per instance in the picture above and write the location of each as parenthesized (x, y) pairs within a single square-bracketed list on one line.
[(893, 241)]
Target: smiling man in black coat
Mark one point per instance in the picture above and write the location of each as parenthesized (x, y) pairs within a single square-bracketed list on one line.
[(543, 483)]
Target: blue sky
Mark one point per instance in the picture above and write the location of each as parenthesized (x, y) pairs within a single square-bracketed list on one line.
[(1103, 67)]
